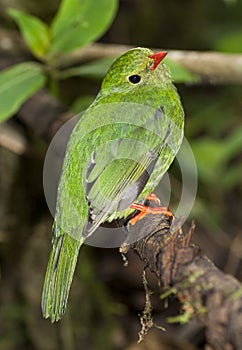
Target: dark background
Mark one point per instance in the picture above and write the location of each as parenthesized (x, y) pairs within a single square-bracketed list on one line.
[(106, 298)]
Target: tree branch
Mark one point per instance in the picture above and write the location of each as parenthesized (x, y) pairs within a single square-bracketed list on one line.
[(211, 67), (206, 293), (44, 114)]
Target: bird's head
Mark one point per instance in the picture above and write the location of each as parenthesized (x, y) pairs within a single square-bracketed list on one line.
[(135, 68)]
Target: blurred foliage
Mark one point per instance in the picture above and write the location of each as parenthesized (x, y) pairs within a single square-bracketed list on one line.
[(17, 84), (74, 26), (214, 132), (102, 312)]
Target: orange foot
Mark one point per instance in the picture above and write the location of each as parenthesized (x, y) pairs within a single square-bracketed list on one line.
[(144, 209), (153, 197)]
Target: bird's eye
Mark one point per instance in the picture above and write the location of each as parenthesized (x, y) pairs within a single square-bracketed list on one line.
[(134, 79)]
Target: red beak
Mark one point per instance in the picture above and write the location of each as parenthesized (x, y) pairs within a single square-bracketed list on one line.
[(157, 57)]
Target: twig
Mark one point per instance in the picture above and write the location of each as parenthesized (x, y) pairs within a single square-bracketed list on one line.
[(146, 318)]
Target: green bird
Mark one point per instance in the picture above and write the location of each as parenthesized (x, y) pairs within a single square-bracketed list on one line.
[(116, 155)]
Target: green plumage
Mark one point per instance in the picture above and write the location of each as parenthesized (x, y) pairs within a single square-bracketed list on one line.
[(117, 154)]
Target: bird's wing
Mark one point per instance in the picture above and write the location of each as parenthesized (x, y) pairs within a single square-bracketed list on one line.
[(116, 175)]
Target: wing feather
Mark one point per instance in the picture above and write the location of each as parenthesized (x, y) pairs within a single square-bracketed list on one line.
[(118, 183)]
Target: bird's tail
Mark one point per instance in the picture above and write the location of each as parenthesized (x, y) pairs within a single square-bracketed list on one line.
[(59, 275)]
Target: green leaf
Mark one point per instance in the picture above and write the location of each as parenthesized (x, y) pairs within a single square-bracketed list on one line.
[(35, 32), (95, 69), (17, 84), (180, 74), (79, 22)]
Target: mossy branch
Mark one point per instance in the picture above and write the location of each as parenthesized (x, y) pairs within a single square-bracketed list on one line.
[(205, 292)]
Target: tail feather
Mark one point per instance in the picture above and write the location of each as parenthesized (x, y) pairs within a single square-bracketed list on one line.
[(59, 275)]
